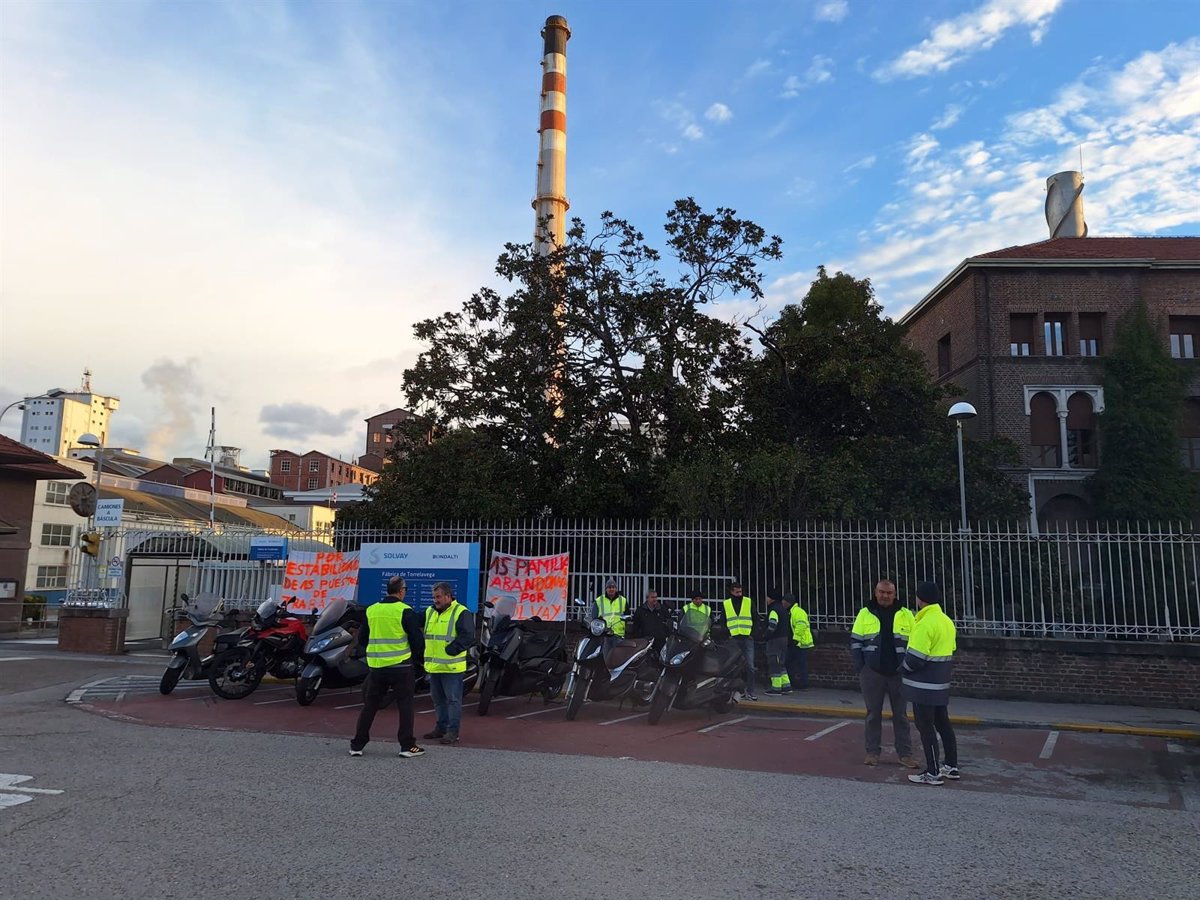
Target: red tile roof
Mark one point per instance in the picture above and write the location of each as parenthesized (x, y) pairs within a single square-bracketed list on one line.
[(1165, 249), (17, 459)]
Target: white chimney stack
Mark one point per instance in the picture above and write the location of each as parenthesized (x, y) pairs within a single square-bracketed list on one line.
[(1064, 205)]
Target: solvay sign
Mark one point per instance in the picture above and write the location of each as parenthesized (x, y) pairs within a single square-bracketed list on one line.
[(422, 566)]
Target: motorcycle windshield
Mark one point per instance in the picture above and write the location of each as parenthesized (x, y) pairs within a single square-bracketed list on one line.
[(332, 614), (202, 605), (694, 627), (266, 609)]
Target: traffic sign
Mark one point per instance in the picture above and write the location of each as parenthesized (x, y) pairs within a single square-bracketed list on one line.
[(109, 512)]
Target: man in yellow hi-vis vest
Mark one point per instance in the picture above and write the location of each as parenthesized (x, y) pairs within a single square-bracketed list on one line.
[(449, 632), (800, 644), (739, 619), (393, 641)]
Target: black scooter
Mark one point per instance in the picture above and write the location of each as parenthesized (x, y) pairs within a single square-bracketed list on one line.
[(697, 671), (328, 658), (203, 613), (519, 659), (628, 669)]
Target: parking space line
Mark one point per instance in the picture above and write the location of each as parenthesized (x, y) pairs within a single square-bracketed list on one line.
[(719, 724), (1048, 747), (624, 719), (348, 706), (265, 702), (15, 658), (538, 712), (824, 731)]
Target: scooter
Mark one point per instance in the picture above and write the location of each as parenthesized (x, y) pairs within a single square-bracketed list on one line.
[(518, 659), (272, 644), (204, 612), (328, 657), (696, 671), (627, 669)]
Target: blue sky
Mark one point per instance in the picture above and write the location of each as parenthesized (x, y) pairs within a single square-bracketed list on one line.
[(248, 204)]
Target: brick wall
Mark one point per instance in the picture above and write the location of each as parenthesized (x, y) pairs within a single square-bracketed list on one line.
[(1134, 674), (92, 630)]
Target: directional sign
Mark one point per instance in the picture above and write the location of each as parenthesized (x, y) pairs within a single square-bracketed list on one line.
[(13, 791), (109, 512)]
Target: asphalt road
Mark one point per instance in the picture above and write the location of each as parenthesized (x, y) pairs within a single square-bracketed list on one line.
[(150, 811)]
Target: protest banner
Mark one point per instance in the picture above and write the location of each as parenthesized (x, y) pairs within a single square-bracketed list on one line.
[(537, 585), (316, 579)]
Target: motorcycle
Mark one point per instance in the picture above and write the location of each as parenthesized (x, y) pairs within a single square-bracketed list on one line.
[(627, 669), (272, 644), (203, 614), (519, 659), (329, 656), (696, 671)]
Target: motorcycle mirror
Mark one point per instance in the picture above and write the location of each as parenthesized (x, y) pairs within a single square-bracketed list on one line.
[(185, 598)]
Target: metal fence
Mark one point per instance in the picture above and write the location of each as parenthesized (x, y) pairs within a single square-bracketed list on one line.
[(1128, 583)]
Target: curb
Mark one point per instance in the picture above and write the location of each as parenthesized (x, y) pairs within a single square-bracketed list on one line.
[(1181, 734)]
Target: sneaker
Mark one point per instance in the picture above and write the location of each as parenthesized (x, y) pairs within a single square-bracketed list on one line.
[(786, 690), (909, 763), (354, 752), (950, 772), (412, 751), (925, 778), (752, 696), (450, 737), (872, 759), (434, 735), (773, 691)]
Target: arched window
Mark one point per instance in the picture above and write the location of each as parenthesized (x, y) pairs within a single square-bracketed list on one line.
[(1043, 431), (1191, 434), (1082, 450)]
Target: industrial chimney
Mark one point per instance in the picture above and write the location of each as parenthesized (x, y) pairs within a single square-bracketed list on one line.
[(551, 200), (1064, 205)]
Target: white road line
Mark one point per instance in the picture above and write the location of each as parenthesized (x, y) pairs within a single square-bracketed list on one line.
[(422, 712), (824, 731), (76, 696), (537, 712), (15, 658), (120, 697), (21, 789), (720, 724), (348, 706), (1048, 747), (624, 719), (1173, 747), (280, 700)]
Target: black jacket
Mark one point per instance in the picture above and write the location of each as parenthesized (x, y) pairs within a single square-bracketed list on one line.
[(652, 623), (411, 622)]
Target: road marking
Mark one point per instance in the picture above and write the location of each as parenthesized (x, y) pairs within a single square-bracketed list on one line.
[(824, 731), (7, 800), (726, 722), (348, 706), (15, 658), (538, 712), (76, 695), (16, 784), (265, 702), (1048, 747), (625, 719)]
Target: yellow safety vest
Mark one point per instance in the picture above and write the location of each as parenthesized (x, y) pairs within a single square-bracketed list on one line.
[(611, 611), (801, 632), (741, 621), (925, 672), (387, 644), (440, 629), (864, 636), (697, 617)]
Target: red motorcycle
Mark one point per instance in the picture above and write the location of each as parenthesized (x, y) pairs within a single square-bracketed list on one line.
[(272, 644)]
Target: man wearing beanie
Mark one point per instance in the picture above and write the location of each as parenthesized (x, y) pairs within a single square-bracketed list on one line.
[(925, 675), (779, 632)]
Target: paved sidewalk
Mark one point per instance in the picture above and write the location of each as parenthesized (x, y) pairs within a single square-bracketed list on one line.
[(1149, 721)]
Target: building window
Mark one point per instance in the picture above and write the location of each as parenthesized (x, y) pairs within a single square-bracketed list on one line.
[(291, 517), (1020, 334), (1055, 331), (314, 465), (1190, 436), (1185, 336), (374, 437), (58, 493), (285, 465), (1043, 431), (57, 535), (943, 350), (312, 484), (1091, 334), (52, 576), (1081, 432)]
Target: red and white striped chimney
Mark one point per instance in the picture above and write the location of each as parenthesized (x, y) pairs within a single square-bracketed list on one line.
[(551, 200)]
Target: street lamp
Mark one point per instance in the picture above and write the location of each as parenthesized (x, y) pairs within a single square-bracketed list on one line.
[(20, 404), (960, 412), (90, 440)]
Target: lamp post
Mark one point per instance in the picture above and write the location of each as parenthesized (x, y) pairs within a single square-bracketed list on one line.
[(960, 412), (20, 404), (90, 440)]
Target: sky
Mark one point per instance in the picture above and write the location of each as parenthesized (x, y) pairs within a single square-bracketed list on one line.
[(248, 204)]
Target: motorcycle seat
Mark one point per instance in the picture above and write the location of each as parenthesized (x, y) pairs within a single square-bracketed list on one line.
[(623, 650)]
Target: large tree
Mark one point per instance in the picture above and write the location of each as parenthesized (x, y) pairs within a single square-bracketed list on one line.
[(1141, 475)]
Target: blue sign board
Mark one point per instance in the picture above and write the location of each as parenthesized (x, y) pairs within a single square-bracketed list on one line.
[(422, 566), (268, 547)]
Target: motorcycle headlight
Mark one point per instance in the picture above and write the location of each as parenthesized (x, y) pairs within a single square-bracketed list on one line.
[(678, 658), (320, 645), (598, 627)]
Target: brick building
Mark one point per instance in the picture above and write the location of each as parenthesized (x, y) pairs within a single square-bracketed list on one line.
[(1023, 331), (315, 471), (380, 438)]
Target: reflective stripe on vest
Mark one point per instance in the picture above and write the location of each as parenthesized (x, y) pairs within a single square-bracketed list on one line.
[(931, 644), (440, 629), (387, 644), (611, 611), (739, 625), (864, 635)]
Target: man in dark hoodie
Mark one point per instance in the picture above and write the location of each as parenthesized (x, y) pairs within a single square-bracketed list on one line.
[(877, 643), (394, 642), (779, 632)]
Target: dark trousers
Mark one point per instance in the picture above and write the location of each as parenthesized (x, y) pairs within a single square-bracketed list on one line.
[(933, 721), (797, 666), (876, 687), (745, 643), (379, 681)]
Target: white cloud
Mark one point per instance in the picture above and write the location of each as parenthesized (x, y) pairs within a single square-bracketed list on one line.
[(1140, 127), (820, 71), (951, 115), (693, 132), (866, 162), (831, 10), (719, 113), (954, 40), (756, 68)]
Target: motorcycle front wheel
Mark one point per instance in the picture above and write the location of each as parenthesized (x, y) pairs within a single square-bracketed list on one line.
[(307, 690), (234, 674), (659, 704), (169, 680), (488, 690), (575, 697)]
